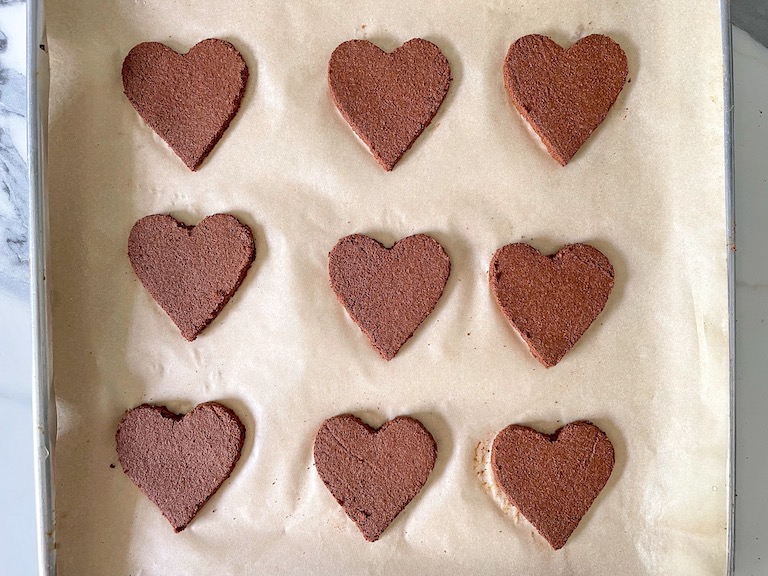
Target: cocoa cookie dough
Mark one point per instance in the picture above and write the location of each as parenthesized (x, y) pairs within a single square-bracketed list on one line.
[(373, 474), (188, 99), (552, 479), (388, 99), (388, 292), (550, 300), (191, 271), (564, 94), (179, 462)]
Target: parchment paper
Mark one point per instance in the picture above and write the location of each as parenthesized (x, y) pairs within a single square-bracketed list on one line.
[(647, 190)]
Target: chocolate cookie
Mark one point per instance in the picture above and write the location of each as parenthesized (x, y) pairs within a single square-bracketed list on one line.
[(552, 479), (564, 94), (373, 474), (388, 292), (188, 99), (179, 462), (550, 300), (191, 271), (388, 99)]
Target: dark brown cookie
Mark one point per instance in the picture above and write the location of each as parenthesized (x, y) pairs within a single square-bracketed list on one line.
[(191, 271), (550, 300), (188, 99), (388, 99), (374, 474), (179, 462), (564, 94), (388, 292), (552, 479)]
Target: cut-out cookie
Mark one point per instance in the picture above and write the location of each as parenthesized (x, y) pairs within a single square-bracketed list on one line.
[(552, 479), (388, 99), (373, 474), (188, 99), (550, 300), (179, 462), (191, 271), (388, 292), (564, 94)]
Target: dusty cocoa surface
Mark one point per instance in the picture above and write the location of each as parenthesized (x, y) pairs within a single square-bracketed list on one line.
[(188, 99), (388, 292), (552, 479), (564, 94), (388, 99), (179, 462), (191, 271), (373, 474), (550, 300)]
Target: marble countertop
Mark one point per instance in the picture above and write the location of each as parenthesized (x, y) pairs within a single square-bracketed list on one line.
[(17, 530)]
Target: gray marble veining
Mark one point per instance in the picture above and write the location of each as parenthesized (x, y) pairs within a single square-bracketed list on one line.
[(14, 184), (752, 16)]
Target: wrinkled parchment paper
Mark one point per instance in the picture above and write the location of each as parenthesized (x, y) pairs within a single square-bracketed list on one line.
[(647, 189)]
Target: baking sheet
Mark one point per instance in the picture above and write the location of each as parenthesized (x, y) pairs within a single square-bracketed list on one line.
[(647, 189)]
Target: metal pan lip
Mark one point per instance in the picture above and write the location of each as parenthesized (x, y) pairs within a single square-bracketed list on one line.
[(730, 223), (43, 407)]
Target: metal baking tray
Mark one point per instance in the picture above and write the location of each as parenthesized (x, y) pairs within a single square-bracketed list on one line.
[(44, 409)]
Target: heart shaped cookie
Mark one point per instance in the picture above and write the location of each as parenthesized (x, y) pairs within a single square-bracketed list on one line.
[(552, 479), (373, 474), (388, 99), (550, 300), (179, 462), (191, 271), (564, 94), (388, 292), (188, 99)]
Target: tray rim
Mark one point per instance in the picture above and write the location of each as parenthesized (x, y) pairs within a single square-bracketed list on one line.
[(43, 404), (730, 229)]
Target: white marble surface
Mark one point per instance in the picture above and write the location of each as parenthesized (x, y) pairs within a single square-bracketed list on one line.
[(751, 151), (17, 531), (17, 528)]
